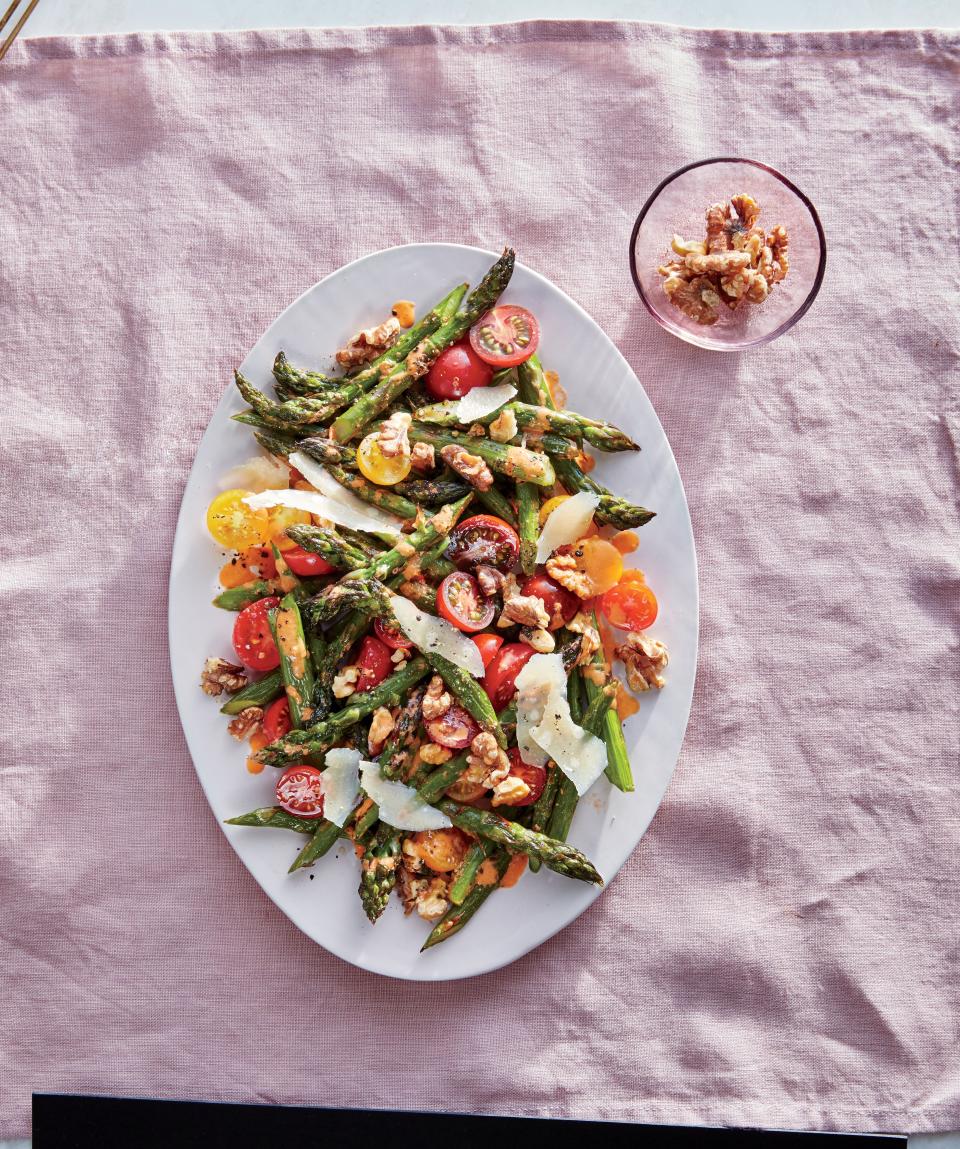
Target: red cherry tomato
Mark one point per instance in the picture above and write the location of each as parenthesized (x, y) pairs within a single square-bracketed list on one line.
[(306, 564), (373, 659), (276, 719), (252, 639), (534, 776), (456, 729), (300, 791), (630, 605), (456, 371), (501, 677), (459, 601), (488, 645), (506, 336), (483, 539), (390, 635), (561, 603)]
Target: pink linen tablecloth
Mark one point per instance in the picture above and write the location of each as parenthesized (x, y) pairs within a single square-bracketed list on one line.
[(782, 949)]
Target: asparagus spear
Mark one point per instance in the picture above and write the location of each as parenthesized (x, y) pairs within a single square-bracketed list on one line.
[(555, 855), (430, 492), (442, 778), (612, 509), (470, 693), (326, 451), (276, 442), (329, 545), (318, 739), (378, 871), (498, 504), (398, 750), (252, 419), (323, 837), (567, 797), (259, 693), (275, 816), (543, 807), (303, 382), (608, 727), (296, 666), (457, 916), (517, 463), (537, 420), (300, 412), (467, 871), (381, 497), (528, 515), (237, 597), (418, 363)]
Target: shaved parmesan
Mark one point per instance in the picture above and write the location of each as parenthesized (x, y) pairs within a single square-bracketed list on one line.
[(437, 636), (261, 473), (542, 674), (317, 504), (400, 806), (318, 476), (340, 783), (481, 401), (543, 715), (566, 523)]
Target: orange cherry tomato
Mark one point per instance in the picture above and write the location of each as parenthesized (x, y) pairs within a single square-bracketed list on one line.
[(441, 850), (235, 573), (600, 561)]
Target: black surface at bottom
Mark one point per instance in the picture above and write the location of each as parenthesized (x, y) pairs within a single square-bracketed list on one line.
[(62, 1121)]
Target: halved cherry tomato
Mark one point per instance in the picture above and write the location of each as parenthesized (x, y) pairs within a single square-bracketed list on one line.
[(561, 604), (306, 563), (506, 336), (235, 525), (488, 645), (441, 850), (461, 602), (235, 573), (456, 371), (465, 792), (600, 561), (483, 539), (384, 470), (547, 509), (534, 776), (373, 659), (456, 729), (276, 719), (631, 604), (393, 637), (501, 677), (252, 639), (300, 791)]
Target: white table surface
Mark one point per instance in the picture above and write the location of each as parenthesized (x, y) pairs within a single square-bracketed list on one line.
[(62, 17)]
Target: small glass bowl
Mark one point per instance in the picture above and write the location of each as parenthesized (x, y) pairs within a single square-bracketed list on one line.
[(678, 205)]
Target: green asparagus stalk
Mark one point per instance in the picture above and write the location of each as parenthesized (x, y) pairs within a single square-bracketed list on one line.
[(497, 503), (323, 837), (326, 451), (276, 817), (431, 492), (463, 879), (543, 807), (382, 497), (538, 420), (366, 821), (378, 871), (296, 665), (418, 362), (329, 544), (457, 917), (303, 382), (608, 727), (469, 693), (528, 514), (398, 750), (260, 693), (318, 739), (555, 855), (276, 442), (433, 788), (567, 798), (517, 463), (300, 412), (252, 419), (238, 597)]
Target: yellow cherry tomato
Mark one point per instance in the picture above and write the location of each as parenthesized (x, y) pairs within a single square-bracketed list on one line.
[(600, 561), (280, 519), (235, 525), (377, 467), (551, 505), (441, 850)]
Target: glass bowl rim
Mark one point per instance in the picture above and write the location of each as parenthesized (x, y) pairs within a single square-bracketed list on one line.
[(791, 319)]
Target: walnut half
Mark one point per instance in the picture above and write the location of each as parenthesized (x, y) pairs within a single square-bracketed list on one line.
[(221, 677), (469, 467), (645, 660)]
